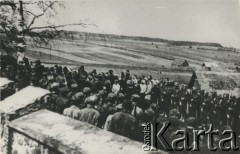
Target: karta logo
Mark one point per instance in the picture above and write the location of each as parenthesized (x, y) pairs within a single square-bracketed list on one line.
[(183, 140)]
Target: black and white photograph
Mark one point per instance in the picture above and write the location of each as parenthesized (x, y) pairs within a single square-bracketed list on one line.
[(119, 76)]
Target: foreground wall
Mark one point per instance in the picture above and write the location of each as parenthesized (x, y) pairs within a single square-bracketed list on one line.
[(19, 104), (48, 132), (22, 144)]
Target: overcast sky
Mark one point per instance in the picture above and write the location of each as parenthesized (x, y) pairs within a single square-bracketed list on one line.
[(191, 20)]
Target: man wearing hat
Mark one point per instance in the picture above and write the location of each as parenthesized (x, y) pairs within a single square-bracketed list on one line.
[(111, 98), (149, 86), (62, 102), (90, 114), (106, 111), (82, 72), (74, 90), (155, 94), (52, 105), (73, 111), (20, 53), (137, 110), (78, 100), (123, 123), (87, 91), (111, 77), (127, 75), (43, 83)]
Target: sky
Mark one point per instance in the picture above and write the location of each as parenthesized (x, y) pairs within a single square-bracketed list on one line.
[(186, 20)]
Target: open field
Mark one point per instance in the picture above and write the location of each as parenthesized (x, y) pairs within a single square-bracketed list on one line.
[(98, 54), (116, 53)]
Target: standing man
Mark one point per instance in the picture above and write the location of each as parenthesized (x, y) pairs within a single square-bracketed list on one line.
[(90, 114), (20, 53), (123, 123)]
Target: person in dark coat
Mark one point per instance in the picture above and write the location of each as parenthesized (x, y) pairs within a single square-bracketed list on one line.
[(82, 72), (123, 123), (122, 82), (62, 102)]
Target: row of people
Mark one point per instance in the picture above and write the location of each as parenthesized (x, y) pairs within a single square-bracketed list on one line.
[(123, 103)]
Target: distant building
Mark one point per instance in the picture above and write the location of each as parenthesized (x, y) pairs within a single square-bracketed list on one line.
[(180, 63), (209, 65)]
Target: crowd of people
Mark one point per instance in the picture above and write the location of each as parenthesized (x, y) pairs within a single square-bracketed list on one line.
[(124, 103)]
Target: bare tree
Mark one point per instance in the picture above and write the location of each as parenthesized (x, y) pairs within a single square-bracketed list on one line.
[(19, 21)]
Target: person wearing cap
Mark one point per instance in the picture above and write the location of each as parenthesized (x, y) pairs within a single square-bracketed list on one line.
[(90, 114), (38, 69), (52, 105), (89, 82), (143, 89), (155, 94), (62, 102), (106, 112), (127, 75), (87, 91), (78, 99), (82, 72), (20, 53), (137, 110), (174, 112), (129, 89), (148, 116), (106, 85), (43, 83), (120, 98), (111, 77), (73, 111), (122, 82), (94, 72), (123, 123), (136, 88), (111, 98), (81, 77), (149, 85), (97, 84), (73, 90)]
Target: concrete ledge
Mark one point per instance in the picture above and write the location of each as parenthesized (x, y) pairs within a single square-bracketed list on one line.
[(4, 82), (19, 104), (71, 136), (21, 99)]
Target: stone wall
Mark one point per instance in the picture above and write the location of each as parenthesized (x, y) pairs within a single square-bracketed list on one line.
[(14, 107), (7, 117), (48, 132), (22, 144)]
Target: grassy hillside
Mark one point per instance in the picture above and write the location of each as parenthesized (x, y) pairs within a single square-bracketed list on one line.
[(82, 35), (133, 52)]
